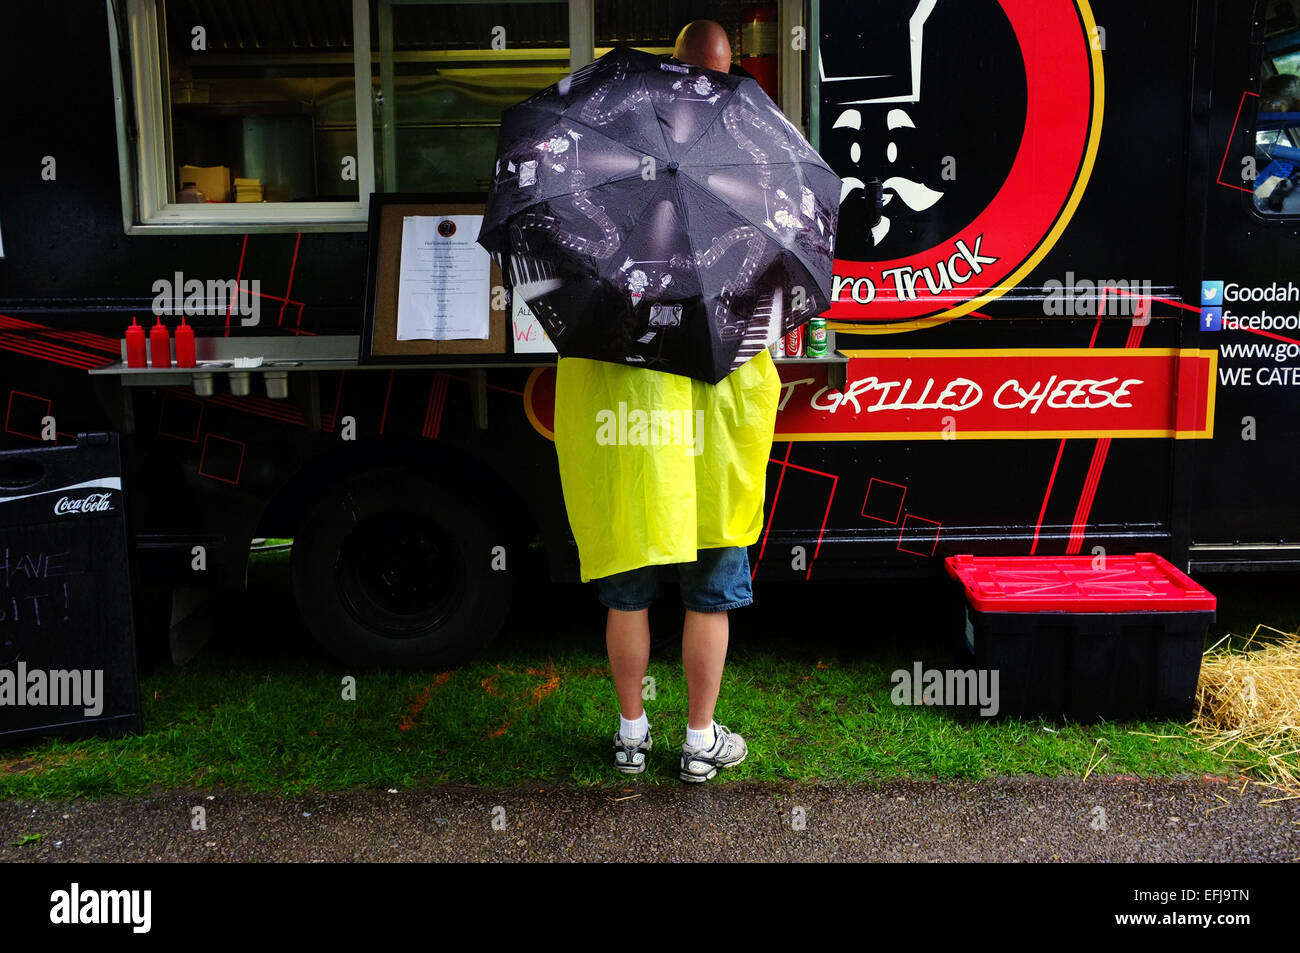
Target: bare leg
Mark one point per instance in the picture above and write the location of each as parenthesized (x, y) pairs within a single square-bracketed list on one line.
[(627, 638), (704, 651)]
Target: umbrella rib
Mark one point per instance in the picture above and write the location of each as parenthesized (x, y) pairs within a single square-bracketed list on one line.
[(531, 211), (634, 173), (724, 297), (655, 113), (601, 133), (776, 165), (735, 211), (677, 185), (585, 188), (593, 129), (763, 229), (713, 121), (686, 218)]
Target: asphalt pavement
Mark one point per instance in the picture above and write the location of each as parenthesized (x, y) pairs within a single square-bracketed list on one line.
[(1007, 819)]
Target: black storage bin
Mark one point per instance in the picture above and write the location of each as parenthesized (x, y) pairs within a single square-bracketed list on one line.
[(1138, 656)]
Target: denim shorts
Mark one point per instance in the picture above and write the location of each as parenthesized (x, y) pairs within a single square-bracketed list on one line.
[(718, 580)]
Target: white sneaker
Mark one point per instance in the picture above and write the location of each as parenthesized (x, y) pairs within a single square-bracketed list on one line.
[(630, 757), (701, 764)]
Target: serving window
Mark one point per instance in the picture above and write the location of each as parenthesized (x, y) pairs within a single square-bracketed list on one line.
[(446, 71), (285, 115), (237, 117), (261, 102)]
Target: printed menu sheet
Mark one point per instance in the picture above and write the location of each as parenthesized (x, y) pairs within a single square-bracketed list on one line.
[(445, 280)]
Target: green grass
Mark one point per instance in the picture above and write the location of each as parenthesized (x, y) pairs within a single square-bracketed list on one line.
[(496, 723), (261, 712)]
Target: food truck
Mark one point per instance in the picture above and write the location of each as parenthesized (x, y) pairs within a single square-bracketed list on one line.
[(1066, 314)]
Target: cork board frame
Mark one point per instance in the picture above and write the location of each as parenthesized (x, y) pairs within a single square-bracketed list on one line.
[(379, 344)]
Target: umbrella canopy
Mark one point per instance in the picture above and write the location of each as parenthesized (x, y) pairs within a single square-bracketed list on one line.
[(661, 215)]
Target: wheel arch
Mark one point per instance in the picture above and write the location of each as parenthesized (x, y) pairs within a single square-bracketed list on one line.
[(501, 497)]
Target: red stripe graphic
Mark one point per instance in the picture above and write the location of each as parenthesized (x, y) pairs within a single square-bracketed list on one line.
[(786, 464), (437, 401), (238, 274), (383, 417), (1038, 527), (288, 289), (58, 354), (1086, 497), (767, 527), (1228, 148), (100, 342), (1089, 492)]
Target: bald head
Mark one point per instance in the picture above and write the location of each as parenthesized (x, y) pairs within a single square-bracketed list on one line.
[(704, 43)]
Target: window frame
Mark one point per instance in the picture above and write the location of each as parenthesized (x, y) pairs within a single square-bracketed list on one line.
[(1259, 49), (142, 106)]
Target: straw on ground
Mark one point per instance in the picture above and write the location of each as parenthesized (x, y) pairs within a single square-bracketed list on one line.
[(1248, 706)]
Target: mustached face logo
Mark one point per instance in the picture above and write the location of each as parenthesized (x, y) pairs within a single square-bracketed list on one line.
[(940, 152), (975, 115)]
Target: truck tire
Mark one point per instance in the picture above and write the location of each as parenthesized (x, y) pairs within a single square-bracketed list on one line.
[(152, 607), (389, 569)]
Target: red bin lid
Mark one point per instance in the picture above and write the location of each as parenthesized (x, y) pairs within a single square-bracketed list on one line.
[(1144, 582)]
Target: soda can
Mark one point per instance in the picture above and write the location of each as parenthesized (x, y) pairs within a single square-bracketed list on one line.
[(794, 342), (778, 347), (816, 337)]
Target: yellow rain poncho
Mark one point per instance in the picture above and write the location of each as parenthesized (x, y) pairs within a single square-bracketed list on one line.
[(656, 466)]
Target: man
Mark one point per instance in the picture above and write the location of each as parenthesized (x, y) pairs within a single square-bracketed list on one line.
[(697, 504)]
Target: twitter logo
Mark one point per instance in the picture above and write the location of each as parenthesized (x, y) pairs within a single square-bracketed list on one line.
[(1211, 294)]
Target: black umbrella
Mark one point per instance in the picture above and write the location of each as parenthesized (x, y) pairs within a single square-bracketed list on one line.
[(661, 215)]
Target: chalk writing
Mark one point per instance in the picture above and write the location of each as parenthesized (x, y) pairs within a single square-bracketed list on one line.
[(22, 608), (15, 566)]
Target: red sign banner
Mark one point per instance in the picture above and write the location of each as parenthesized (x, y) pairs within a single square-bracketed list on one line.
[(994, 394)]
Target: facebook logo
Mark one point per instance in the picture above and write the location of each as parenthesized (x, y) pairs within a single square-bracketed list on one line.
[(1211, 305)]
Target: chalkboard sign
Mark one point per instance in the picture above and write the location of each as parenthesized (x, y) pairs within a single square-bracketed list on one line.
[(67, 640)]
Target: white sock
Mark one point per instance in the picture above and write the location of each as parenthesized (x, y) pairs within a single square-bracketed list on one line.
[(633, 730), (700, 737)]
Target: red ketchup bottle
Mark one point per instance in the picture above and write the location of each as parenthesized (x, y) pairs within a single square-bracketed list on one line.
[(160, 349), (135, 353), (184, 345)]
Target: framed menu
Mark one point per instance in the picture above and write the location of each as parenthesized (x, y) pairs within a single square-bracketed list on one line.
[(429, 284)]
